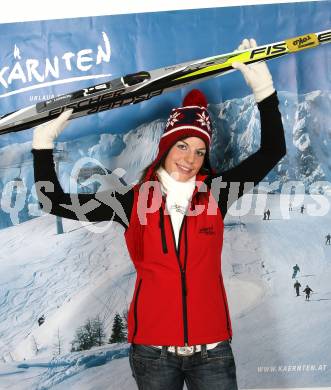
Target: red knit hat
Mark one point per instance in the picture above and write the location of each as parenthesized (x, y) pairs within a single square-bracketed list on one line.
[(191, 120)]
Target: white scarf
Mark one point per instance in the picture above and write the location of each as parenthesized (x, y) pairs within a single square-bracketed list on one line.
[(178, 197)]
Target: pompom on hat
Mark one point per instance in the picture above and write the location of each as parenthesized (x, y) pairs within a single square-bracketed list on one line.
[(191, 120)]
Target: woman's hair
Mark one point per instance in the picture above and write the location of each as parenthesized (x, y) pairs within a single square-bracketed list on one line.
[(205, 169), (156, 167)]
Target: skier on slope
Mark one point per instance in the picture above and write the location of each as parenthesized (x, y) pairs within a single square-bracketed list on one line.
[(266, 214), (296, 269), (328, 239), (307, 290), (176, 247), (297, 286), (302, 208), (41, 320)]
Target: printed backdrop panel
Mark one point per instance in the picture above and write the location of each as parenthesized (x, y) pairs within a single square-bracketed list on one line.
[(55, 275)]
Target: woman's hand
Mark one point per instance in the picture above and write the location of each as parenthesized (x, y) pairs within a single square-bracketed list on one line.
[(45, 134), (257, 75)]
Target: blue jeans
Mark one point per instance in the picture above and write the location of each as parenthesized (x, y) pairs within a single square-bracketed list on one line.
[(156, 369)]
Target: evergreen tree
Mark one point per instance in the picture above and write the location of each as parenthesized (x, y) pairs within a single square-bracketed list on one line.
[(118, 330)]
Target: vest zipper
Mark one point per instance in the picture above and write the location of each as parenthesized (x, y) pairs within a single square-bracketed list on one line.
[(182, 274), (163, 235), (136, 311)]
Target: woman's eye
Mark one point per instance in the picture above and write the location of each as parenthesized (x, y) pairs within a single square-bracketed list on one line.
[(181, 146), (200, 153)]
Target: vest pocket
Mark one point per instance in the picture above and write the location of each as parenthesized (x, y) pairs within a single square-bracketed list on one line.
[(136, 310)]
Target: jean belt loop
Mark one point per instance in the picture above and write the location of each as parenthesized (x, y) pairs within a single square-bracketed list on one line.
[(164, 352), (204, 353)]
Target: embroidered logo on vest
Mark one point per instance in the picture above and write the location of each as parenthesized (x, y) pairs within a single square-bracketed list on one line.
[(209, 230)]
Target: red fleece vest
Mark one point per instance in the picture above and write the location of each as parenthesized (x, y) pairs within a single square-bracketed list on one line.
[(179, 295)]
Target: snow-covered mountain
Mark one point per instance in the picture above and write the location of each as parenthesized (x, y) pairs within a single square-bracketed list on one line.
[(306, 120), (237, 135)]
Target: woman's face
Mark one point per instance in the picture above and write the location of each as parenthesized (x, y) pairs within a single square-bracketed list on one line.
[(185, 158)]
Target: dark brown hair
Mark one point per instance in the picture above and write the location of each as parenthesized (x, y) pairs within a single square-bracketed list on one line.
[(157, 166)]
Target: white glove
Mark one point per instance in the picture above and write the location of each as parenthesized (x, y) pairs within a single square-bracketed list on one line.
[(45, 134), (257, 75)]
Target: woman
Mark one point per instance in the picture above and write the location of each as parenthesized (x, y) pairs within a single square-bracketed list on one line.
[(178, 325)]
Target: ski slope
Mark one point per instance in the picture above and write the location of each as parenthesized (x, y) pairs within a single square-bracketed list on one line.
[(87, 271), (281, 329)]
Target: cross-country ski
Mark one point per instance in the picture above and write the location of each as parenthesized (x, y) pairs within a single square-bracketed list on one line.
[(141, 86)]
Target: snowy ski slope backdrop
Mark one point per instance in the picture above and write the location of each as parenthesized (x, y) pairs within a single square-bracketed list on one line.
[(281, 341), (78, 274)]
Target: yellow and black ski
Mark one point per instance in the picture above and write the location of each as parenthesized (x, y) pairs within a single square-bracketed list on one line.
[(141, 86)]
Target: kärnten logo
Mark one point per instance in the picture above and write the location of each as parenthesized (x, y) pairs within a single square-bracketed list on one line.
[(44, 72)]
